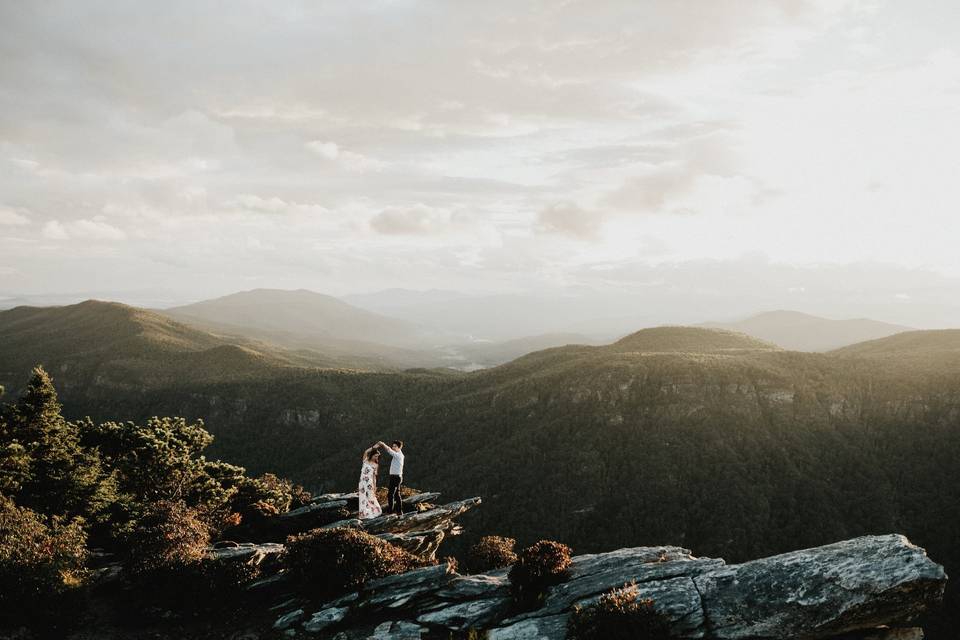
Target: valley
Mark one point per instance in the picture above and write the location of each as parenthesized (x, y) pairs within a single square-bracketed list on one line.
[(726, 444)]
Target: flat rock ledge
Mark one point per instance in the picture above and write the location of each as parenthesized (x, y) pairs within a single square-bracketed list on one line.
[(868, 587)]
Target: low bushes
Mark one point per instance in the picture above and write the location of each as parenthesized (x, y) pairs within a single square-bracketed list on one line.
[(537, 567), (329, 562), (168, 535), (491, 552), (620, 614), (42, 566), (169, 570)]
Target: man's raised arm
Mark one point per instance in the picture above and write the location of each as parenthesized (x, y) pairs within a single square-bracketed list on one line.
[(383, 446)]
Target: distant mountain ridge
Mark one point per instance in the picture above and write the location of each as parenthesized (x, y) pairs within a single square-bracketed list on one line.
[(805, 332), (121, 346), (113, 344), (912, 345), (301, 312)]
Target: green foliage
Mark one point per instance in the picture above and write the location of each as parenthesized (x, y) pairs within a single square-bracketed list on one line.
[(538, 567), (491, 552), (330, 562), (168, 535), (162, 461), (42, 464), (42, 566), (267, 494), (619, 615), (159, 460)]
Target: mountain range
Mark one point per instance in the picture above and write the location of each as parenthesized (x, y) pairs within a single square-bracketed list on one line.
[(805, 332), (712, 439)]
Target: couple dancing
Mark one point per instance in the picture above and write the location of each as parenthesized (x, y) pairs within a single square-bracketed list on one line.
[(369, 505)]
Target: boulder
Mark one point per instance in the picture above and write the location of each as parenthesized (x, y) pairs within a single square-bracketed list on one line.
[(818, 593), (662, 573), (323, 619), (288, 620)]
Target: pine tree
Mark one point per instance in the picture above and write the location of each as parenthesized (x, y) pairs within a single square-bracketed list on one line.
[(42, 465)]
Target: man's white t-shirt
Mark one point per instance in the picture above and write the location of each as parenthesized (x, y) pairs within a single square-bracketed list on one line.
[(396, 464)]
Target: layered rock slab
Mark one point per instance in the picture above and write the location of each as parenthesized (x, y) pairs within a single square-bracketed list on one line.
[(818, 593), (852, 586)]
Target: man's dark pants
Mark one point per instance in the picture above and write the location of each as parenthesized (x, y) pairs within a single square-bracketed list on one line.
[(394, 502)]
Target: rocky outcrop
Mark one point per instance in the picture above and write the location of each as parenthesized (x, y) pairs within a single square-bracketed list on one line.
[(441, 517), (867, 588), (330, 508), (857, 585), (847, 586)]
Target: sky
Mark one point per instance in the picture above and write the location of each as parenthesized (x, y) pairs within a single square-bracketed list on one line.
[(798, 153)]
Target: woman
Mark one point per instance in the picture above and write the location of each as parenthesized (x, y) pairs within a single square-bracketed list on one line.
[(367, 492)]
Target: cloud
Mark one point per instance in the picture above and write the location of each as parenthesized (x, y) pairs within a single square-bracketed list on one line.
[(83, 229), (416, 220), (328, 150), (256, 203), (53, 230), (12, 217), (568, 219), (537, 123), (349, 160)]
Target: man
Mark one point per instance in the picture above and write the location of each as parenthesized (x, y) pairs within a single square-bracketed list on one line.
[(395, 450)]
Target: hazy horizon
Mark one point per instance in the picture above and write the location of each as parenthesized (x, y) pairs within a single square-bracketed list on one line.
[(692, 162)]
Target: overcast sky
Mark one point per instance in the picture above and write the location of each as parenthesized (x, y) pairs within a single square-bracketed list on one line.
[(199, 148)]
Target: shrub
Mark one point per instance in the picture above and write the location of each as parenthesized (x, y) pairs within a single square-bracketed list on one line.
[(168, 535), (214, 586), (330, 562), (538, 567), (42, 566), (619, 615), (491, 552)]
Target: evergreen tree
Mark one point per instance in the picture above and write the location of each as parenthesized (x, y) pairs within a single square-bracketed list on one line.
[(42, 464)]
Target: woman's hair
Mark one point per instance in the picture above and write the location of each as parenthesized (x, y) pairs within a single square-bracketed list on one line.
[(371, 452)]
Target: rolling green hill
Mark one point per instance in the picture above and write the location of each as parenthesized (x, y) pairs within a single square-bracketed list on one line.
[(114, 344), (109, 345), (921, 347)]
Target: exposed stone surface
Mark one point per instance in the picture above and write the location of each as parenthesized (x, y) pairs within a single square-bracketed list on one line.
[(415, 521), (421, 543), (246, 552), (845, 590), (548, 628), (595, 574), (323, 619), (472, 614), (816, 593), (287, 620), (329, 501), (399, 630), (813, 594)]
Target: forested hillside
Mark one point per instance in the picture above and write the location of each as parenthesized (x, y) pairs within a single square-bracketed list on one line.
[(702, 438)]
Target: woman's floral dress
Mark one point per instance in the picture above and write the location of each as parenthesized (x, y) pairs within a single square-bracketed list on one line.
[(367, 492)]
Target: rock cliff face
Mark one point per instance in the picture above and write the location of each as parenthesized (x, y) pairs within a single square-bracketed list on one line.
[(857, 588)]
